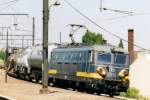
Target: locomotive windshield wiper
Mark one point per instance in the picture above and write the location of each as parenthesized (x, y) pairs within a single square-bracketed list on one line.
[(115, 57)]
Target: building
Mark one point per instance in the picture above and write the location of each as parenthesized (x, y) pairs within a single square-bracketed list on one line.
[(139, 73)]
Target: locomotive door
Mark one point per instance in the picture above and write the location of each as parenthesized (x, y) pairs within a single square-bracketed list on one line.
[(87, 59), (90, 61)]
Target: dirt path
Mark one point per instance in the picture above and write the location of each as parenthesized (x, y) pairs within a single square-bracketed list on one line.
[(23, 90)]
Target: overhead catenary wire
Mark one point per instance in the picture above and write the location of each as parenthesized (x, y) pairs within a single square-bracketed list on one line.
[(128, 13), (23, 30), (5, 3), (119, 11), (8, 4), (93, 22), (125, 16)]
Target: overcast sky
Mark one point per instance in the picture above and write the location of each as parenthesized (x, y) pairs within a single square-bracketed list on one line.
[(61, 16)]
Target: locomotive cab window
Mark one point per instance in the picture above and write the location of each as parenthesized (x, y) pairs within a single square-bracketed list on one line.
[(104, 57), (90, 56), (67, 57), (120, 58)]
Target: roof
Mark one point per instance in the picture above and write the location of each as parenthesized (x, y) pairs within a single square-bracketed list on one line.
[(105, 48)]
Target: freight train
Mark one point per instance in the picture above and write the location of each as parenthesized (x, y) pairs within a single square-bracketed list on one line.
[(101, 68)]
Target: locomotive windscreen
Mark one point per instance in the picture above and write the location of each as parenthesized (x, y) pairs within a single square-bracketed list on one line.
[(104, 58), (120, 58)]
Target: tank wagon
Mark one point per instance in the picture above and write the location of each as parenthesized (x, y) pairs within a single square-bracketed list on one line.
[(102, 68), (29, 63), (35, 60), (21, 67)]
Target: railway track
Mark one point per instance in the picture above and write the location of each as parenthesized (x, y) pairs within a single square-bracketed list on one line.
[(82, 91)]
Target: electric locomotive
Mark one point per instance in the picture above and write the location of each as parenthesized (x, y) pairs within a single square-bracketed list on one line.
[(102, 68)]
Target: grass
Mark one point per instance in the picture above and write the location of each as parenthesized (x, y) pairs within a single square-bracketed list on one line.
[(133, 93)]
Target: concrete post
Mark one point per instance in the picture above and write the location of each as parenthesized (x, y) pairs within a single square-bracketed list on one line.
[(44, 89), (33, 37), (6, 59)]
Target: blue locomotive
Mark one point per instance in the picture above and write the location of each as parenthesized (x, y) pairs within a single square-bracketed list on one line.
[(102, 68)]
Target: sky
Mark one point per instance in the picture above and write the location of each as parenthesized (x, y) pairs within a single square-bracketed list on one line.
[(61, 16)]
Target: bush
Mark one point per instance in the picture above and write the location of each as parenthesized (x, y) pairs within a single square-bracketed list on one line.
[(133, 93), (142, 98), (2, 55)]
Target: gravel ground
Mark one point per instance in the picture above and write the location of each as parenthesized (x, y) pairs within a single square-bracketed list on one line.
[(23, 90)]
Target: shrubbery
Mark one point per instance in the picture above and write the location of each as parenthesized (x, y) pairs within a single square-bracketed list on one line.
[(133, 93), (2, 55)]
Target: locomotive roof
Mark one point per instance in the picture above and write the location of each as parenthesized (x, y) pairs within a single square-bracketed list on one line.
[(103, 48)]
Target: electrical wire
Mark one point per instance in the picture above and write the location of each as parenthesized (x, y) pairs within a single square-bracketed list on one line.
[(119, 11), (136, 14), (23, 30), (101, 26), (9, 4), (5, 3)]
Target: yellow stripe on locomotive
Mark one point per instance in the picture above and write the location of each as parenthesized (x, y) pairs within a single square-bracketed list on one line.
[(89, 75), (52, 71)]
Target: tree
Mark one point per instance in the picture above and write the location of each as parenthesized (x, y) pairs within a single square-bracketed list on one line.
[(92, 38), (120, 44)]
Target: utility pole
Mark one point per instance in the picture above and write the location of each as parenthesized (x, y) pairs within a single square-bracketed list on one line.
[(33, 37), (7, 45), (2, 32), (22, 42), (6, 57), (60, 37), (45, 89), (101, 5)]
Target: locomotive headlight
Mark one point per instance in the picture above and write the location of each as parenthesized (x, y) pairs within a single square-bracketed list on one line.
[(101, 71), (123, 74)]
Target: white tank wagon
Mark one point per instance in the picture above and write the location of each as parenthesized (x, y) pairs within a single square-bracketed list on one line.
[(12, 60), (29, 62), (22, 68), (35, 57)]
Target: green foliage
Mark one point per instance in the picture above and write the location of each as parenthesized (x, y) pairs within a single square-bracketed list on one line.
[(2, 55), (142, 98), (92, 38), (133, 93), (120, 44)]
